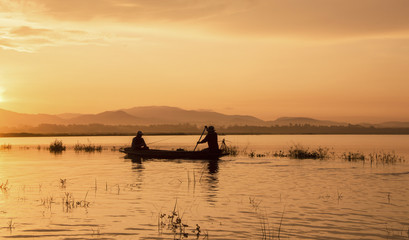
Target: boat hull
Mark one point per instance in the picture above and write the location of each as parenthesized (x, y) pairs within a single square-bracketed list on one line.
[(167, 154)]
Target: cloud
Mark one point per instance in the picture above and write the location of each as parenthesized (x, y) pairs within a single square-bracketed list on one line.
[(35, 23), (288, 18), (28, 39), (28, 31)]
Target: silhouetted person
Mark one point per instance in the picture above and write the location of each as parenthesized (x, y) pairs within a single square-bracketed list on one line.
[(211, 139), (138, 143)]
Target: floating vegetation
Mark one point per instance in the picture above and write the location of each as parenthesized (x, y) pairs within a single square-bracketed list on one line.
[(69, 202), (87, 148), (254, 203), (300, 152), (279, 154), (3, 187), (353, 156), (63, 183), (374, 158), (57, 146), (10, 225), (173, 221), (385, 158), (230, 150), (267, 229), (5, 147), (47, 202)]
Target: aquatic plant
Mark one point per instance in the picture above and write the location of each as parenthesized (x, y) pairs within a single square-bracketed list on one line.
[(5, 147), (353, 156), (57, 146), (173, 221), (254, 203), (63, 183), (69, 202), (87, 148), (3, 187), (299, 152), (10, 225), (279, 154), (267, 230), (230, 150), (47, 202), (385, 158)]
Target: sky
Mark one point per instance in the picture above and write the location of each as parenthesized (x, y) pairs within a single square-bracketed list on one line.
[(343, 60)]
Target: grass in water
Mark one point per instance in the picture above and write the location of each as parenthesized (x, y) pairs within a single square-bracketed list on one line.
[(3, 187), (87, 148), (173, 221), (300, 152), (69, 202), (57, 146), (374, 158), (386, 158), (230, 150), (353, 156), (5, 147)]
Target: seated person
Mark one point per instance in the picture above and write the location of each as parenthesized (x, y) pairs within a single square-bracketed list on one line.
[(138, 143), (211, 139)]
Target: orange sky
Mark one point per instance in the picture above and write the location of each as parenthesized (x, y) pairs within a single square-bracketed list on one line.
[(344, 60)]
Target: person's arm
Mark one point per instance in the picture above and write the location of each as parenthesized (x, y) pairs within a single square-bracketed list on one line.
[(204, 139)]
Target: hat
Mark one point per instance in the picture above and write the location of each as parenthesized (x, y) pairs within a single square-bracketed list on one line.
[(210, 129)]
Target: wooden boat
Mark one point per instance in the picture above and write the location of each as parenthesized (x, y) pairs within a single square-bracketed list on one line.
[(168, 154)]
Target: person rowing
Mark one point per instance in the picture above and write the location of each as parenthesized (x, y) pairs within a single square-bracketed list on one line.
[(138, 143), (211, 139)]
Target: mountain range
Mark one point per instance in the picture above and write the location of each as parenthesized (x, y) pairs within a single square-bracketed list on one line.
[(164, 115)]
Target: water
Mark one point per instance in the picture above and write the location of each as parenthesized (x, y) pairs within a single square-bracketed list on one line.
[(235, 198)]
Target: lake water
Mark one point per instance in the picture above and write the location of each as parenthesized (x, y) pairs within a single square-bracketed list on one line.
[(103, 195)]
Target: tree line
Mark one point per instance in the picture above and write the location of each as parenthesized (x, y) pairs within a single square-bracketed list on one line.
[(101, 129)]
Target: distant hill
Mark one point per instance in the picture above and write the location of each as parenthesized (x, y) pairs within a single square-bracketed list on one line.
[(393, 125), (285, 121), (9, 118), (68, 115), (173, 115), (162, 115), (107, 118)]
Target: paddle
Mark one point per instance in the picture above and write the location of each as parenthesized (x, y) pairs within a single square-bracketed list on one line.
[(205, 127)]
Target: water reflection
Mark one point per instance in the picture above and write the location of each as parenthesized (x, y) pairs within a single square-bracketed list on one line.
[(213, 166)]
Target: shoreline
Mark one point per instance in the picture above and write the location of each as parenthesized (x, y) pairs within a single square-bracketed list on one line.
[(12, 135)]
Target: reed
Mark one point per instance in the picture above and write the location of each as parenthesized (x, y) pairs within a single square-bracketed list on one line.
[(57, 146), (47, 202), (87, 148), (4, 187), (174, 222), (10, 225), (353, 156), (279, 154), (386, 158), (69, 202), (299, 152), (5, 147), (63, 183), (230, 150)]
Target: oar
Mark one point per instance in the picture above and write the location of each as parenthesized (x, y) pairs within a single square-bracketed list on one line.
[(205, 127)]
